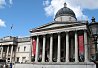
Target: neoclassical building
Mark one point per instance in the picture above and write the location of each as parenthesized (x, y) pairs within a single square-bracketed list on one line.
[(63, 43), (61, 39), (64, 40), (15, 49)]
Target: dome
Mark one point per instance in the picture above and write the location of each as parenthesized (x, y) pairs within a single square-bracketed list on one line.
[(65, 11)]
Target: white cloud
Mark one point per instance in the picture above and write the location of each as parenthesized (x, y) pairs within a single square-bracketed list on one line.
[(51, 7), (2, 23), (46, 3), (3, 3), (10, 1)]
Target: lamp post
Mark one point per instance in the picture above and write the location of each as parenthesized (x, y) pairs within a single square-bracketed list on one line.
[(94, 34)]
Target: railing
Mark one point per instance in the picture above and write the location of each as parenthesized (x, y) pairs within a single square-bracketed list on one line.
[(12, 39), (9, 38), (23, 39)]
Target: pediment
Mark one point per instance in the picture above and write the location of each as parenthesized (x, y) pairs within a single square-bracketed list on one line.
[(58, 25), (53, 26)]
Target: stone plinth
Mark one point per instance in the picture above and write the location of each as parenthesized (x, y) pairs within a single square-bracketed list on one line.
[(56, 65)]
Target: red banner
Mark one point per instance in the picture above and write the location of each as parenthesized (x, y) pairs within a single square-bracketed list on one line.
[(34, 47), (81, 44)]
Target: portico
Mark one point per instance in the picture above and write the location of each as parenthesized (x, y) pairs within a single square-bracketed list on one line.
[(63, 40), (7, 49), (60, 46)]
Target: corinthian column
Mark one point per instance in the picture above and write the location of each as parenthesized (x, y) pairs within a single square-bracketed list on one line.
[(1, 52), (76, 47), (36, 55), (11, 54), (51, 45), (59, 48), (7, 54), (43, 53), (67, 47), (85, 46)]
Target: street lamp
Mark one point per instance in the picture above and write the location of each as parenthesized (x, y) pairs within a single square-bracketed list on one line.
[(94, 33)]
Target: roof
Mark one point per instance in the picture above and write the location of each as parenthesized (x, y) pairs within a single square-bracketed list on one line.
[(65, 11)]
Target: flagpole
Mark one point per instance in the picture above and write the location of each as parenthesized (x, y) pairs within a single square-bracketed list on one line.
[(11, 29)]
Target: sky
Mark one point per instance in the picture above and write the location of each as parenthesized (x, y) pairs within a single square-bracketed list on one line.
[(23, 15)]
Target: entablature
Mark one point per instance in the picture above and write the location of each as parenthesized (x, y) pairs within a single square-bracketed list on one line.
[(74, 28), (8, 43), (9, 40)]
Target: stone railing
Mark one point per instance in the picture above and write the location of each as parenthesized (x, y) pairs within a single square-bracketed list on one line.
[(24, 39), (8, 39)]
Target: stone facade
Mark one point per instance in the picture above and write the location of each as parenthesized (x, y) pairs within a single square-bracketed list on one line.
[(23, 50), (14, 49), (62, 43)]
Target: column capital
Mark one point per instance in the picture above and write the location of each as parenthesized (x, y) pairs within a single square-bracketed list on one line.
[(37, 35), (51, 33), (66, 31), (44, 35), (76, 31), (85, 30), (58, 32)]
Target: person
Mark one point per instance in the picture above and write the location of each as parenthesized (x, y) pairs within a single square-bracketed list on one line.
[(54, 59), (4, 66), (40, 58), (10, 65), (81, 58)]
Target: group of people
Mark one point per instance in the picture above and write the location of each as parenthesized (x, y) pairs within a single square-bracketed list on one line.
[(81, 59)]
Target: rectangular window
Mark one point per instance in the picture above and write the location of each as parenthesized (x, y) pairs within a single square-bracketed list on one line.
[(23, 59), (17, 59), (18, 49), (25, 48)]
